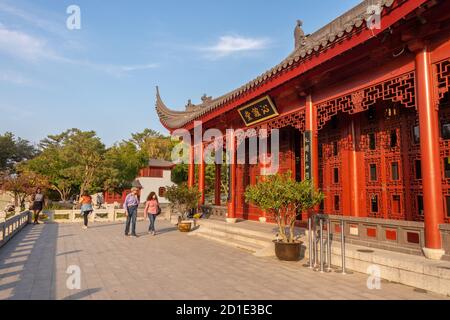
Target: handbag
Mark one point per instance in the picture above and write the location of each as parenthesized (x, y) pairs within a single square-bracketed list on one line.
[(159, 211)]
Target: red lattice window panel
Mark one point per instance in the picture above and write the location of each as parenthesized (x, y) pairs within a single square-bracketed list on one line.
[(443, 77), (398, 90)]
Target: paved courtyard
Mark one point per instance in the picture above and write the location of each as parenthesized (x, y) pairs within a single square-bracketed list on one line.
[(169, 266)]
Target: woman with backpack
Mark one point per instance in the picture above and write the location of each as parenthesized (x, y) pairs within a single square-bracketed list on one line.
[(86, 208), (152, 210)]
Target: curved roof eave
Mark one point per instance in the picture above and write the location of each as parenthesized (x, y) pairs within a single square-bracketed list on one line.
[(319, 40)]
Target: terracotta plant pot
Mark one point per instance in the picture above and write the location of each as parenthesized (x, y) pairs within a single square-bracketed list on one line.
[(288, 251), (185, 226)]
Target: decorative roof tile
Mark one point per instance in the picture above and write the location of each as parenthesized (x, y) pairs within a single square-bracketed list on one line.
[(309, 44)]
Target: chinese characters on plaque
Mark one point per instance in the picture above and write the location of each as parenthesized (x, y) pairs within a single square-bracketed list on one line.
[(258, 111), (308, 156)]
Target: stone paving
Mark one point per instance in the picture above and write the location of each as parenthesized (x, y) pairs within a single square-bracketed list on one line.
[(171, 265)]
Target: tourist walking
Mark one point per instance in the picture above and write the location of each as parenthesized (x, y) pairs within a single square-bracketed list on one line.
[(131, 205), (38, 200), (151, 211), (86, 208)]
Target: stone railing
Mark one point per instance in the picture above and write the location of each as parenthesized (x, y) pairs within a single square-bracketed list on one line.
[(445, 232), (110, 214), (10, 227), (215, 211), (400, 236), (74, 215)]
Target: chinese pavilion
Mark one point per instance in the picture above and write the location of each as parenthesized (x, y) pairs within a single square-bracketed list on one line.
[(370, 102)]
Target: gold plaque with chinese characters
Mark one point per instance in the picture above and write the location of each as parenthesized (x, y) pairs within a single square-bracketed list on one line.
[(258, 111)]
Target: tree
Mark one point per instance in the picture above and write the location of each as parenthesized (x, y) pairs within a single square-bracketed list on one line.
[(180, 173), (284, 198), (154, 144), (71, 161), (86, 151), (121, 166), (22, 184), (13, 151)]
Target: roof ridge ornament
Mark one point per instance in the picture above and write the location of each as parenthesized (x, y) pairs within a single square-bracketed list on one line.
[(206, 98), (299, 35), (190, 105)]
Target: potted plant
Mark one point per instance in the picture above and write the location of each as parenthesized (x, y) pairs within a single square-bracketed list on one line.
[(283, 198), (183, 199)]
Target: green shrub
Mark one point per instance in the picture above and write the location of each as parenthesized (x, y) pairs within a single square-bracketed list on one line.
[(182, 198), (284, 198)]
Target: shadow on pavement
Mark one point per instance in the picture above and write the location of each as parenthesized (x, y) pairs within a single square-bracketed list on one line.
[(27, 264), (83, 294)]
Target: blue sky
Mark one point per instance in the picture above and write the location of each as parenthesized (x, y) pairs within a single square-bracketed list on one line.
[(103, 76)]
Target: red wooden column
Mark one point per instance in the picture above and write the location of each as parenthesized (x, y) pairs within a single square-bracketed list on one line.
[(217, 192), (354, 160), (429, 146), (231, 144), (311, 173), (201, 173), (191, 167), (263, 167)]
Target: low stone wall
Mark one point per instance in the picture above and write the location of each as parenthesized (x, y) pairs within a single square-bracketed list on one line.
[(445, 232), (215, 211), (399, 236), (11, 226), (414, 271), (74, 216)]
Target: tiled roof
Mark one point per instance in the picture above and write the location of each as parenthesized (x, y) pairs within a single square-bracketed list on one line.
[(320, 39), (158, 163)]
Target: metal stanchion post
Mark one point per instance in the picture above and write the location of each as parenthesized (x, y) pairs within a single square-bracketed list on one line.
[(343, 246), (315, 239), (322, 253), (311, 244), (329, 246)]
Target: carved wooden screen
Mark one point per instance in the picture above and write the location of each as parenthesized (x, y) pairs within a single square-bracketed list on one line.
[(386, 144), (246, 175), (332, 140), (443, 83)]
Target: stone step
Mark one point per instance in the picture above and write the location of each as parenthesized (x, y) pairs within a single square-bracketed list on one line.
[(235, 235), (229, 242), (235, 229)]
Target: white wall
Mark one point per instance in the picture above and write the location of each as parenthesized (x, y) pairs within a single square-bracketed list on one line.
[(153, 184), (5, 199)]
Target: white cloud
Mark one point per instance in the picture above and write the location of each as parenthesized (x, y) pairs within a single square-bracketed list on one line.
[(115, 70), (139, 67), (229, 45), (19, 44), (23, 46), (45, 24), (14, 78)]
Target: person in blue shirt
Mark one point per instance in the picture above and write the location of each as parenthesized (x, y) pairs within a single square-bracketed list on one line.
[(131, 205)]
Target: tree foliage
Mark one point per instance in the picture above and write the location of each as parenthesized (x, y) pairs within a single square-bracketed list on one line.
[(121, 166), (22, 184), (284, 198), (154, 144), (71, 161), (182, 198), (14, 150), (75, 161)]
